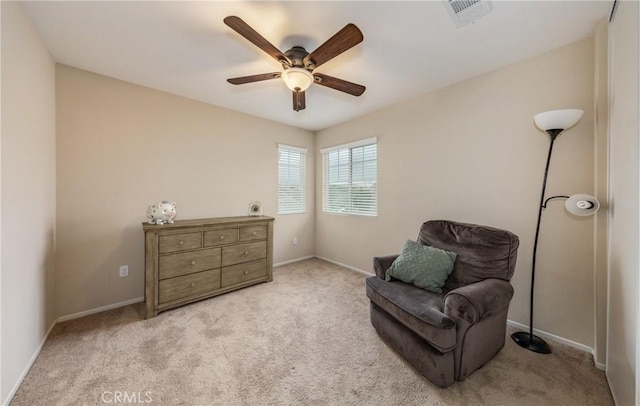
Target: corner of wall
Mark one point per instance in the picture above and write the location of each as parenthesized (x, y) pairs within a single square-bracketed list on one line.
[(601, 167), (27, 117)]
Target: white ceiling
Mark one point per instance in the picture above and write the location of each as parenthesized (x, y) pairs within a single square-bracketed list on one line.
[(409, 48)]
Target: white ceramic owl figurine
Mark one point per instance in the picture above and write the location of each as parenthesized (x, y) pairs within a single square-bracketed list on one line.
[(163, 212)]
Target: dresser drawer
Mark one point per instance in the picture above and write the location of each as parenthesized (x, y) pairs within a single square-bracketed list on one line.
[(236, 274), (179, 242), (220, 237), (253, 233), (188, 285), (188, 262), (240, 253)]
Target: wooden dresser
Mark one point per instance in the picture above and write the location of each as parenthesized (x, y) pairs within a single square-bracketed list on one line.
[(191, 260)]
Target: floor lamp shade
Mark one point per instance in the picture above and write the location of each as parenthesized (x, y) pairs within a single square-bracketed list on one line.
[(558, 119), (582, 205)]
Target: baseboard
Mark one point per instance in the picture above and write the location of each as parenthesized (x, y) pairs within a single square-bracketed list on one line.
[(345, 266), (291, 261), (99, 309), (561, 340), (13, 391)]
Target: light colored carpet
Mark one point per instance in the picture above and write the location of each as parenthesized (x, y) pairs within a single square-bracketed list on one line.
[(304, 339)]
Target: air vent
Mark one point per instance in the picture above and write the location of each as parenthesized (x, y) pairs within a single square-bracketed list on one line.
[(466, 11)]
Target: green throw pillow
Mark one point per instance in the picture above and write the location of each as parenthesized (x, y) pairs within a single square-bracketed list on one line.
[(423, 266)]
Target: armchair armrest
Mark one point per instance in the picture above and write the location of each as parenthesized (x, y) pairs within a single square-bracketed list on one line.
[(381, 264), (479, 300)]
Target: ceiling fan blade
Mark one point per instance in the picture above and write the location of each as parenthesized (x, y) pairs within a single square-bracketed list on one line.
[(242, 28), (339, 84), (299, 102), (253, 78), (344, 39)]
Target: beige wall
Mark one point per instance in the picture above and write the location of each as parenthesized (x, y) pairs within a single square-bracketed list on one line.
[(28, 194), (471, 153), (624, 179), (121, 147)]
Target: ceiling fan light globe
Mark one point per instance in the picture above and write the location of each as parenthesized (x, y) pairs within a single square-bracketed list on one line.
[(297, 79), (558, 119)]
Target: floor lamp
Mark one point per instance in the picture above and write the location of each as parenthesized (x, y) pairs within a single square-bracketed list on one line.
[(553, 122)]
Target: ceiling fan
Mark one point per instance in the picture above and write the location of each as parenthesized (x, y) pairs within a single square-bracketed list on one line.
[(298, 64)]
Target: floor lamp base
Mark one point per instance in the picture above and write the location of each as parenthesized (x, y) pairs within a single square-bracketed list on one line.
[(531, 342)]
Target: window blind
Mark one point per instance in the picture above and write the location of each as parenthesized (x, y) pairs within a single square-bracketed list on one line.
[(350, 178), (291, 179)]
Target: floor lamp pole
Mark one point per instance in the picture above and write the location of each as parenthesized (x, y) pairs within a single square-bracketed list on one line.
[(523, 339)]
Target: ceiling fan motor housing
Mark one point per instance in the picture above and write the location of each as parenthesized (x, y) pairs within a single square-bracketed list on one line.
[(296, 55)]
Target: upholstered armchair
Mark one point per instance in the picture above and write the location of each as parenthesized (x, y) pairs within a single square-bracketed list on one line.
[(446, 336)]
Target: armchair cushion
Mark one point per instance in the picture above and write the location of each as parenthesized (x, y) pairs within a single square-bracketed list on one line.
[(418, 309), (423, 266)]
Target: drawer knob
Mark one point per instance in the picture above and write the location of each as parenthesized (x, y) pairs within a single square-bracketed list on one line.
[(193, 284), (193, 262), (222, 237), (246, 253), (255, 233), (246, 272), (181, 242)]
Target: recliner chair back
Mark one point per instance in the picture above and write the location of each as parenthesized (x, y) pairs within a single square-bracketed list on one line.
[(483, 252)]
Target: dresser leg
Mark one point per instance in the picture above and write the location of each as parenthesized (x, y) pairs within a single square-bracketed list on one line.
[(150, 313)]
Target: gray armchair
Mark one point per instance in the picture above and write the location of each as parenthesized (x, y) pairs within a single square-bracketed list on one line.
[(446, 336)]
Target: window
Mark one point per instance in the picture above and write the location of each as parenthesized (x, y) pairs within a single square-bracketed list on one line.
[(350, 181), (291, 164)]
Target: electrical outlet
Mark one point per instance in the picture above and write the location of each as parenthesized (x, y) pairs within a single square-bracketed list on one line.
[(124, 270), (295, 240)]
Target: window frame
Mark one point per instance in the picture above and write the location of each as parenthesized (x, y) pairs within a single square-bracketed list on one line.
[(370, 204)]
